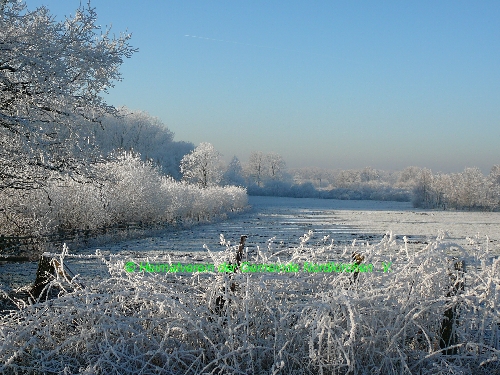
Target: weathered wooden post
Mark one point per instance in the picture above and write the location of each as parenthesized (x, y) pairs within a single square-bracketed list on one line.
[(48, 268), (239, 253), (44, 274), (358, 259), (220, 301), (448, 336)]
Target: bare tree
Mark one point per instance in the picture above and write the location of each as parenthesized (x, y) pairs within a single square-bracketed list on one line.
[(276, 166), (257, 166)]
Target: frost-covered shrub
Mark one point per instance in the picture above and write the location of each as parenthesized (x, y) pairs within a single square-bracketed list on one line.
[(125, 190), (192, 203), (132, 190), (135, 191), (76, 206), (270, 323), (24, 212), (369, 191)]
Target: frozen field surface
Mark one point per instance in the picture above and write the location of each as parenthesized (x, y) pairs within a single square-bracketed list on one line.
[(413, 310), (287, 219)]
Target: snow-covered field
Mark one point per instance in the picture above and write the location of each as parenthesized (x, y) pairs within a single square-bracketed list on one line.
[(287, 219), (279, 323)]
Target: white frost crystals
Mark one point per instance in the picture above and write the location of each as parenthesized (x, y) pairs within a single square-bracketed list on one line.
[(322, 323), (126, 190)]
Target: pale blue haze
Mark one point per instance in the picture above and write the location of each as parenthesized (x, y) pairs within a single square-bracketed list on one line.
[(337, 84)]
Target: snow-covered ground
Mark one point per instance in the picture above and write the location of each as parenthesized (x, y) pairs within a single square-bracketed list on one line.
[(287, 219), (302, 322)]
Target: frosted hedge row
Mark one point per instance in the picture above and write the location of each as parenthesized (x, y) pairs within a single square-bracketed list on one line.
[(125, 190), (268, 323)]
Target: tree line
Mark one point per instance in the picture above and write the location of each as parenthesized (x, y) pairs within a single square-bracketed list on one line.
[(468, 190), (266, 174)]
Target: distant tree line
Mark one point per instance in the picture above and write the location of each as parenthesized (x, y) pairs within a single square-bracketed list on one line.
[(266, 174), (468, 190)]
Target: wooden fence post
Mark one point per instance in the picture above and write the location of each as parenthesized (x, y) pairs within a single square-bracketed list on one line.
[(448, 336), (48, 268), (44, 273), (357, 259), (220, 301)]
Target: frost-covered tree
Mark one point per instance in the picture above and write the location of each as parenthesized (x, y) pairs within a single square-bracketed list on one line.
[(234, 173), (202, 166), (140, 132), (441, 185), (348, 179), (132, 130), (262, 167), (494, 175), (408, 177), (493, 183), (257, 166), (369, 174), (51, 77), (276, 166), (471, 188), (319, 175), (422, 191)]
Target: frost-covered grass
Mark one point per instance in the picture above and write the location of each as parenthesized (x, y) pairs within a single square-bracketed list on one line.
[(288, 323)]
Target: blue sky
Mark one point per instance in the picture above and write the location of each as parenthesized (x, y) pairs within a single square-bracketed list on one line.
[(334, 84)]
